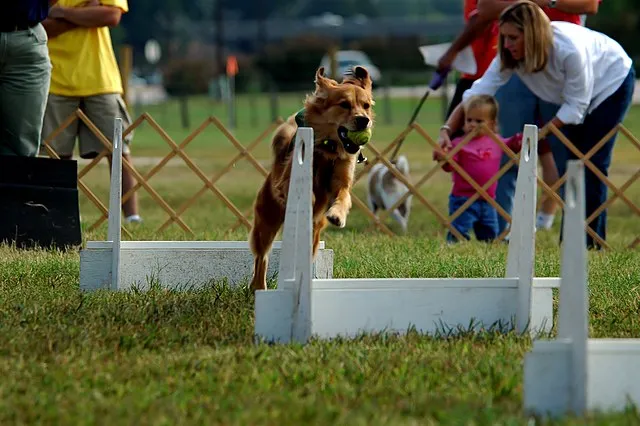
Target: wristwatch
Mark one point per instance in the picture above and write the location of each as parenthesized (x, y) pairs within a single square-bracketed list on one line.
[(552, 3)]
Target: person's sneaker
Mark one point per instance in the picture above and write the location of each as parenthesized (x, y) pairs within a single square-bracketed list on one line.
[(544, 221), (134, 218)]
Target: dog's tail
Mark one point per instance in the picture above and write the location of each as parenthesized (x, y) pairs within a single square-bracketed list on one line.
[(283, 139), (402, 164)]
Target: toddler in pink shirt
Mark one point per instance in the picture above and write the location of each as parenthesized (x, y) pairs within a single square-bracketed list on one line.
[(480, 159)]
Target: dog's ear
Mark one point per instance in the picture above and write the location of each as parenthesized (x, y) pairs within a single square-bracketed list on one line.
[(359, 76), (323, 84)]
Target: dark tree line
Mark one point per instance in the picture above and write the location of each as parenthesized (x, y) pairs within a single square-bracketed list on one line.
[(171, 20), (153, 18), (150, 18)]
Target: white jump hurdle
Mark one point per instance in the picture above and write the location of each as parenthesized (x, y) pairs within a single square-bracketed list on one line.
[(302, 306), (175, 265), (574, 373)]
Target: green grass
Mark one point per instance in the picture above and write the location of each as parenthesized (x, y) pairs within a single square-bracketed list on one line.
[(188, 358)]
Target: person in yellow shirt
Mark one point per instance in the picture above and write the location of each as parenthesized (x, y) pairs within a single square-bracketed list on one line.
[(85, 75)]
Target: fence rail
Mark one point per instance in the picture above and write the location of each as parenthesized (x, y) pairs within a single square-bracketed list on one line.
[(209, 184)]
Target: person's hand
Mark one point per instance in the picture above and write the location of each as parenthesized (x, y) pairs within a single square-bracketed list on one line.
[(444, 142), (438, 155), (445, 62)]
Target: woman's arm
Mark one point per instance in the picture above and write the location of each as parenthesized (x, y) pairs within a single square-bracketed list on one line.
[(578, 88), (453, 124), (455, 121), (557, 122), (577, 91), (488, 84), (544, 132)]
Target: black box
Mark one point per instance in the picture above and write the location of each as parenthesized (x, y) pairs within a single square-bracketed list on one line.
[(39, 202)]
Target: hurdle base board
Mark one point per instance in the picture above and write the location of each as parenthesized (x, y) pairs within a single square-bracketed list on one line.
[(181, 265), (349, 307), (613, 378)]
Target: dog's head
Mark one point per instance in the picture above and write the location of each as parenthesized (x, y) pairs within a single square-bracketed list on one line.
[(335, 107)]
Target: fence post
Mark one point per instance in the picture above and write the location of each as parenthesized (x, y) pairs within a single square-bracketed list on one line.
[(387, 101), (126, 64)]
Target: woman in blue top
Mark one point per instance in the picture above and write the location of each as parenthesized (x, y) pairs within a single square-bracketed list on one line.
[(586, 74)]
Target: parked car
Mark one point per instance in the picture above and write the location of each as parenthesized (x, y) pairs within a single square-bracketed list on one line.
[(348, 58)]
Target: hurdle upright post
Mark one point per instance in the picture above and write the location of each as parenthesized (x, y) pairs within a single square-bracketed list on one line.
[(573, 320), (295, 269), (522, 240), (115, 200)]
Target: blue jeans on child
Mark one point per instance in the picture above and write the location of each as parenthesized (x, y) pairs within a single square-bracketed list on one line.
[(479, 216)]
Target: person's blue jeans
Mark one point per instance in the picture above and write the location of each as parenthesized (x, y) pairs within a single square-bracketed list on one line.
[(585, 136), (479, 216), (517, 106), (515, 101)]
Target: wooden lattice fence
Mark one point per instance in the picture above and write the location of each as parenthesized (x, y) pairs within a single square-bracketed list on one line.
[(379, 155)]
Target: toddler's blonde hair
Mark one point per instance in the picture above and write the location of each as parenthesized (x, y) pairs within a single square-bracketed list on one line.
[(477, 101)]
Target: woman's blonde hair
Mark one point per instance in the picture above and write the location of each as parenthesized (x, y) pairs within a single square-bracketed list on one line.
[(529, 18)]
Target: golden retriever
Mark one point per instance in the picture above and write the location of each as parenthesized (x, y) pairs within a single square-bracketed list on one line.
[(331, 110)]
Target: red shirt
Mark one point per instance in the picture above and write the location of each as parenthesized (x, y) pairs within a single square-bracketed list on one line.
[(485, 46), (557, 15)]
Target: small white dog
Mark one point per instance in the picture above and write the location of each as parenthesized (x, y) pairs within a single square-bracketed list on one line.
[(384, 190)]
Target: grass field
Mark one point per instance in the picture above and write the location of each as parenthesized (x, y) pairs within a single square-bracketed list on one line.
[(188, 358)]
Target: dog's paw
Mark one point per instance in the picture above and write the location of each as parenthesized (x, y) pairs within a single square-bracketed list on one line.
[(337, 221), (336, 218)]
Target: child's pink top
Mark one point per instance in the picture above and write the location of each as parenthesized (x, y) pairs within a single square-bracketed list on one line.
[(480, 158)]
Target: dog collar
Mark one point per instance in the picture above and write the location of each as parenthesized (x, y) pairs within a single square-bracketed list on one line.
[(328, 145)]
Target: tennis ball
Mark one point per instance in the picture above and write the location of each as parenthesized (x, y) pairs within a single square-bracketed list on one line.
[(361, 137)]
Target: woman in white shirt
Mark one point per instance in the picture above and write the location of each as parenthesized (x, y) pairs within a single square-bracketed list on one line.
[(587, 74)]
